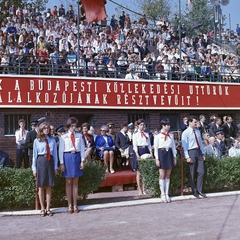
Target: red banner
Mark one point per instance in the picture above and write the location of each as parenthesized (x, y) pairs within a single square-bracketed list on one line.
[(65, 92)]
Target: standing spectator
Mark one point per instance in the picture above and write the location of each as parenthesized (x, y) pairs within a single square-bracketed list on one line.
[(165, 155), (141, 145), (194, 154), (229, 130), (45, 165), (113, 22), (215, 126), (61, 10), (221, 144), (72, 155), (184, 125), (122, 142), (238, 29), (70, 12), (122, 19), (22, 153), (203, 125)]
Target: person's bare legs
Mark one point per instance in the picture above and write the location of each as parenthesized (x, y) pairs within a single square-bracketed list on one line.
[(75, 193), (111, 157), (69, 183), (41, 197), (106, 158), (139, 182), (48, 196)]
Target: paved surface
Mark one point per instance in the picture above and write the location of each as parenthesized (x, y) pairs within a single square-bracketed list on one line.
[(216, 217)]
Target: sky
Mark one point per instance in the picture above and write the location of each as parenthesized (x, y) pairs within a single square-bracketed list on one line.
[(231, 11)]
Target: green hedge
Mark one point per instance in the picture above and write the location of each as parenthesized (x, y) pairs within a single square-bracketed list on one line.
[(17, 186), (220, 175)]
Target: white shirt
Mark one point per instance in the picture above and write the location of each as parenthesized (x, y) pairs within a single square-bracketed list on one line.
[(138, 140), (159, 142), (66, 145), (20, 137)]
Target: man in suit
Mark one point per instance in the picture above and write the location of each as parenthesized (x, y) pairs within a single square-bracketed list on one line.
[(184, 125), (215, 126), (194, 154), (211, 149), (31, 136), (122, 142), (220, 144), (203, 125), (229, 131)]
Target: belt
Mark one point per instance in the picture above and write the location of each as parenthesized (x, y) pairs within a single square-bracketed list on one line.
[(43, 155), (164, 149), (142, 146), (194, 149), (72, 152)]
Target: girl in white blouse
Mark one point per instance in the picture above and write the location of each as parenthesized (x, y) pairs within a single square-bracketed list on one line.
[(165, 154)]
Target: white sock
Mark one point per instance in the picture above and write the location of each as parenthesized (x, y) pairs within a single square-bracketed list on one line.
[(161, 185), (167, 183)]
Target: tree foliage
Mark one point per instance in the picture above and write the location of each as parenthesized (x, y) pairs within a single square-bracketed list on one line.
[(155, 8), (202, 13), (20, 3)]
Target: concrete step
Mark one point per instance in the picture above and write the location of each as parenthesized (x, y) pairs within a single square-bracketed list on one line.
[(112, 197)]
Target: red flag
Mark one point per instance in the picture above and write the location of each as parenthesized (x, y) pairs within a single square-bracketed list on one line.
[(94, 10)]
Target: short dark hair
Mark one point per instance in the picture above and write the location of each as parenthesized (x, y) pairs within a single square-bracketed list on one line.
[(164, 122), (124, 125), (87, 125), (191, 118), (70, 121), (139, 121)]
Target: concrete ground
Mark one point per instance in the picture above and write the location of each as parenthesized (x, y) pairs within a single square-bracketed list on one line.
[(216, 217)]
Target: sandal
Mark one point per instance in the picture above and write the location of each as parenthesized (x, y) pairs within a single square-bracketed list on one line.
[(49, 213), (76, 209), (42, 213), (70, 211)]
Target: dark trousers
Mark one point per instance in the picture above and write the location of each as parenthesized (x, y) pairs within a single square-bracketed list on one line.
[(196, 166), (22, 154)]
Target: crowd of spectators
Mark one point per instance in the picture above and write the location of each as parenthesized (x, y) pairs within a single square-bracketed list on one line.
[(221, 137), (52, 43)]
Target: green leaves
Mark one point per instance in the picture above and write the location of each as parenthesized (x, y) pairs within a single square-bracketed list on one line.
[(220, 175), (17, 186)]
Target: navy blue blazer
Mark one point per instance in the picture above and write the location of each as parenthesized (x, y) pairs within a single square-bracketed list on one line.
[(92, 144), (100, 142)]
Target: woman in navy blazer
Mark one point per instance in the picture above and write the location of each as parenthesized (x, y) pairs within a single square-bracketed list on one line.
[(105, 148)]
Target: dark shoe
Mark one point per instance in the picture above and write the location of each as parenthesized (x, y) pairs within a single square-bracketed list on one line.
[(196, 195), (42, 213), (49, 213), (76, 209), (202, 194), (70, 210)]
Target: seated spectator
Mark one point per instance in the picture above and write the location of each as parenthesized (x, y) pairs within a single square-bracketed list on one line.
[(63, 66), (211, 149), (43, 65), (31, 65), (92, 68), (234, 151), (131, 74), (101, 68), (105, 148), (88, 141)]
